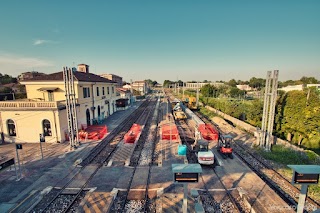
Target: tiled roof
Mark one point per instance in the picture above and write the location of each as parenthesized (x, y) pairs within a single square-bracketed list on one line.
[(80, 76)]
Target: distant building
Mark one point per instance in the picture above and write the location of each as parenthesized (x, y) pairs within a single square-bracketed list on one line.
[(125, 94), (244, 87), (114, 78), (127, 86), (83, 68), (292, 87), (29, 75), (140, 86), (314, 85), (201, 84)]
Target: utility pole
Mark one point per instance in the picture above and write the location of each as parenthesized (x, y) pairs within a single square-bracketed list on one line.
[(265, 110), (183, 91), (197, 101), (270, 99)]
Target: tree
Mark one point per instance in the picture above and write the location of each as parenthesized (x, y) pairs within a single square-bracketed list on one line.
[(151, 83), (257, 83), (207, 90), (234, 92), (6, 79), (309, 80), (232, 83), (166, 83), (180, 83)]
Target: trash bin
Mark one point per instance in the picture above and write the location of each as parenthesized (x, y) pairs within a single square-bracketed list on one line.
[(182, 150)]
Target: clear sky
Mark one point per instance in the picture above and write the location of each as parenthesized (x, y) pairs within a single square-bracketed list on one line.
[(164, 39)]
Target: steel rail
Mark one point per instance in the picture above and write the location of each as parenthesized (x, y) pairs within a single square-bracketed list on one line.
[(141, 142), (105, 141), (281, 192)]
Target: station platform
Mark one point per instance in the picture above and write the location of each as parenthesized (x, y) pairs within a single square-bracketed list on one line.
[(38, 174)]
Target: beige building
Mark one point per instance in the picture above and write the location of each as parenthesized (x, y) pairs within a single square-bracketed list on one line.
[(114, 78), (140, 86), (44, 110), (292, 87), (189, 85), (244, 87)]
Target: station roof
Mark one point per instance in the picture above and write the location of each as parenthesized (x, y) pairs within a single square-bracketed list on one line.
[(306, 169), (80, 76)]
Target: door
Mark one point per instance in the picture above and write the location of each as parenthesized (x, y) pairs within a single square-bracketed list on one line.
[(88, 117)]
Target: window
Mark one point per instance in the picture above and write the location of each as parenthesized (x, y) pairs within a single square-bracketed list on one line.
[(50, 96), (112, 89), (102, 90), (11, 128), (98, 91), (46, 127), (108, 91), (86, 92)]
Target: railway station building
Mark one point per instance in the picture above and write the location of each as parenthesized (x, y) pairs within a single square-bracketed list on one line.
[(44, 110)]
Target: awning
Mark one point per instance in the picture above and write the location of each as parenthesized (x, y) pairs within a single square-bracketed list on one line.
[(48, 88)]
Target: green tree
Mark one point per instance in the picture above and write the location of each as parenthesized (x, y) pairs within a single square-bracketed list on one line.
[(232, 83), (166, 83), (234, 92), (309, 80), (207, 90), (257, 83), (6, 79)]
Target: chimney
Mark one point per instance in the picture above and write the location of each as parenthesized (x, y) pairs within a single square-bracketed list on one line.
[(83, 68)]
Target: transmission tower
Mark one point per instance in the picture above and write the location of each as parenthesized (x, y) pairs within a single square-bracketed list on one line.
[(269, 105), (71, 107)]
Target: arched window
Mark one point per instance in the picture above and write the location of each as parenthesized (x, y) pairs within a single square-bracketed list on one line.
[(46, 127), (11, 128)]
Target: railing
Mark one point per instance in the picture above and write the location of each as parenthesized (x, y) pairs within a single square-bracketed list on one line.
[(29, 104)]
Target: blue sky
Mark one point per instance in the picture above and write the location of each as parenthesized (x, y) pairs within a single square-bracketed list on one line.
[(167, 39)]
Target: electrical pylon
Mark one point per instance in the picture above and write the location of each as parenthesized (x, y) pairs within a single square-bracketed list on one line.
[(269, 105), (71, 107)]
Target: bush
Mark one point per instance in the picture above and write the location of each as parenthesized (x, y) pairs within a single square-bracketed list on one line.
[(283, 155)]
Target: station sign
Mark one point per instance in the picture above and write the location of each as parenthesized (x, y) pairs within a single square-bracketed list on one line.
[(305, 178), (186, 177), (305, 174), (186, 173), (18, 146)]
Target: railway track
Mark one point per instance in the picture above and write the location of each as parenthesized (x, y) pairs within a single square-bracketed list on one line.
[(135, 198), (272, 178), (66, 196), (228, 203)]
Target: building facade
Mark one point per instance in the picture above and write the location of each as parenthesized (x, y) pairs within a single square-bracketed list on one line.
[(140, 86), (44, 110), (114, 78)]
